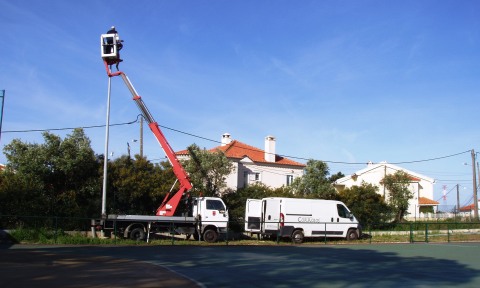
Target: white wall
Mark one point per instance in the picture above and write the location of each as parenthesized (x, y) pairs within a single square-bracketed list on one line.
[(271, 175)]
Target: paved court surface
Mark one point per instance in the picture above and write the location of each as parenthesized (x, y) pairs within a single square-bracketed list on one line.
[(75, 267), (375, 265)]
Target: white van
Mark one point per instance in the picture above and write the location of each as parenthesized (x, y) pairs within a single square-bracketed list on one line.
[(298, 218)]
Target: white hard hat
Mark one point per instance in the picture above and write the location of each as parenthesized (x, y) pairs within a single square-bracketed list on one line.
[(113, 27)]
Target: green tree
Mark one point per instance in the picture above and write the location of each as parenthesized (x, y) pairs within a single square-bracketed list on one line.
[(367, 205), (314, 183), (56, 176), (19, 194), (137, 186), (335, 177), (208, 170), (399, 195)]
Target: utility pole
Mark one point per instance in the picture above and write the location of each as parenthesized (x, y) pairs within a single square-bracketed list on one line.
[(458, 200), (478, 172), (475, 198)]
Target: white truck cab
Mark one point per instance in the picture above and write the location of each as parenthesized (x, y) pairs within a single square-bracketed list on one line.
[(213, 216)]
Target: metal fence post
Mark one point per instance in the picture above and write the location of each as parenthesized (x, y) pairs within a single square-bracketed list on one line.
[(411, 233), (426, 232), (115, 231), (278, 232), (448, 233), (56, 228), (325, 234), (227, 233), (370, 233)]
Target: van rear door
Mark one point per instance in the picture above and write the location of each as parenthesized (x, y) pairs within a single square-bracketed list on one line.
[(253, 215), (271, 207)]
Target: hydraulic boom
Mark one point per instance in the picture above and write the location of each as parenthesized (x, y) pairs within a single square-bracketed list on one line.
[(171, 202)]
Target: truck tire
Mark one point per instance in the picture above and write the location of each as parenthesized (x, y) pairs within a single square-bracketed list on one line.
[(352, 235), (297, 236), (137, 234), (210, 236)]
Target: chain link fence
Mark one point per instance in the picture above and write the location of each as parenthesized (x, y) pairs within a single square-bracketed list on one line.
[(75, 230)]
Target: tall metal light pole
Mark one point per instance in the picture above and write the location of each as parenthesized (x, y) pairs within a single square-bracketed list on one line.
[(2, 95), (475, 198), (105, 160), (141, 136)]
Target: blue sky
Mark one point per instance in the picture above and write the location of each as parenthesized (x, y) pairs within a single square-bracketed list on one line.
[(341, 81)]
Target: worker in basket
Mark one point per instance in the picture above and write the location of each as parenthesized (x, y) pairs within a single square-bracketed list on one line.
[(119, 43)]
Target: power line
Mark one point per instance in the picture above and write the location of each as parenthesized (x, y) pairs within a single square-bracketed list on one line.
[(432, 159), (218, 142), (446, 193), (69, 128)]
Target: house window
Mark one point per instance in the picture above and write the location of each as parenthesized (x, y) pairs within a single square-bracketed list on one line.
[(256, 177), (289, 180), (250, 177), (245, 178)]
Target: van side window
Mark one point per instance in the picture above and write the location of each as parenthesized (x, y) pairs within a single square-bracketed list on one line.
[(342, 211), (215, 205)]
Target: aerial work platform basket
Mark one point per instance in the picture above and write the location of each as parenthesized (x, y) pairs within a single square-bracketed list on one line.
[(109, 46)]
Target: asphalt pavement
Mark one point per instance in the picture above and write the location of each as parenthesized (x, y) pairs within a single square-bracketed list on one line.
[(358, 265)]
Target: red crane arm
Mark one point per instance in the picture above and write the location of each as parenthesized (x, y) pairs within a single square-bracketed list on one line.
[(170, 203)]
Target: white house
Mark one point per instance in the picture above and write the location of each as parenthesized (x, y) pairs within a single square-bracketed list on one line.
[(252, 165), (420, 185)]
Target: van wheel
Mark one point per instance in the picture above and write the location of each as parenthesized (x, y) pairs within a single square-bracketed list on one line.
[(137, 234), (352, 235), (210, 236), (297, 236)]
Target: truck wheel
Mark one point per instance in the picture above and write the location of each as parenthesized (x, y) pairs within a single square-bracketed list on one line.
[(297, 236), (352, 235), (137, 234), (210, 236)]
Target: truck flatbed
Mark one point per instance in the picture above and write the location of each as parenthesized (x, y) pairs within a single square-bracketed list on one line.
[(151, 218)]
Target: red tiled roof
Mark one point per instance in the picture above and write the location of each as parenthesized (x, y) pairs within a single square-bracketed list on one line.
[(182, 152), (238, 150), (414, 179), (467, 208), (426, 201)]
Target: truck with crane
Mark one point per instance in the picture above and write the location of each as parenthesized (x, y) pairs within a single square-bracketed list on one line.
[(180, 213)]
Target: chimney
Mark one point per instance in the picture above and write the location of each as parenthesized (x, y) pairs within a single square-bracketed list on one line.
[(270, 149), (226, 139)]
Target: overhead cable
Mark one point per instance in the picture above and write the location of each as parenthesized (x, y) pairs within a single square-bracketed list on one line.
[(69, 128), (215, 141)]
